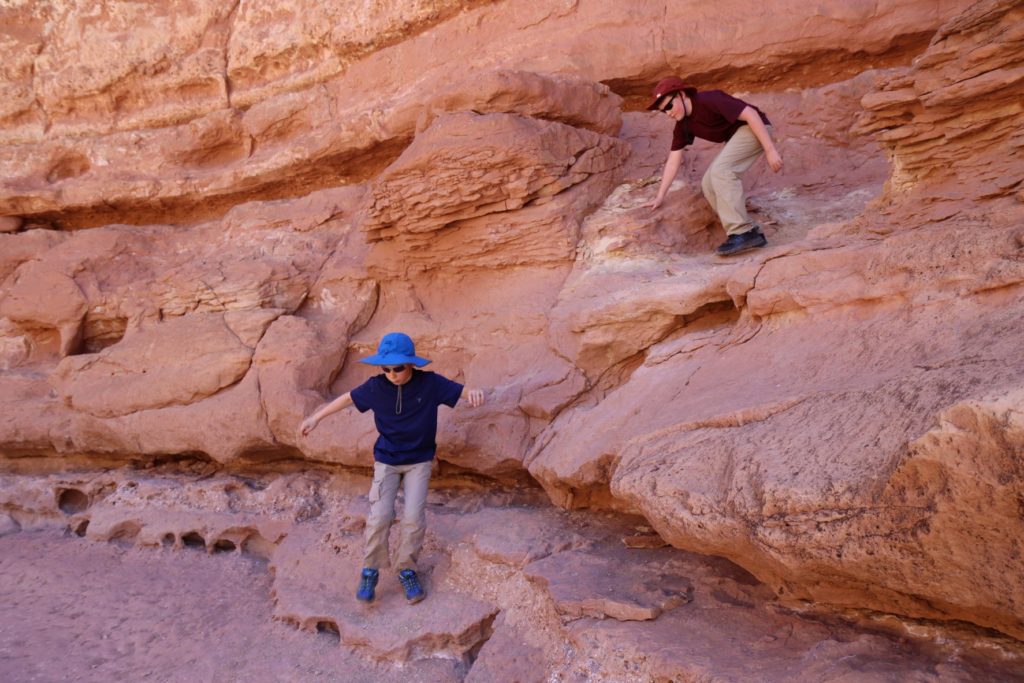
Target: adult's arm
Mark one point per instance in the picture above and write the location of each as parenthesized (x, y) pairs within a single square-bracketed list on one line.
[(760, 131), (340, 403), (675, 160)]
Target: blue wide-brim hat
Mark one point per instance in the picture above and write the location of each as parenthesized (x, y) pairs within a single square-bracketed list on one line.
[(395, 349)]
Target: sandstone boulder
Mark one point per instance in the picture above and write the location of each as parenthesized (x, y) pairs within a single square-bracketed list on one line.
[(832, 487), (176, 362), (313, 576), (49, 301), (468, 165), (297, 355)]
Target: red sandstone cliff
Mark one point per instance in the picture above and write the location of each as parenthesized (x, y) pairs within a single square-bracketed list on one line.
[(202, 235)]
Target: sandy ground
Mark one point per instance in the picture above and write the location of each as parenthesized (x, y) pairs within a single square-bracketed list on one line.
[(74, 610)]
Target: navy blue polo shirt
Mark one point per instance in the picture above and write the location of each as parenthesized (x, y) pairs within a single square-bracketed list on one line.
[(406, 415)]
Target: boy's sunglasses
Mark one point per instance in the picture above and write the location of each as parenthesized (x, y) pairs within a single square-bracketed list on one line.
[(393, 371), (668, 105)]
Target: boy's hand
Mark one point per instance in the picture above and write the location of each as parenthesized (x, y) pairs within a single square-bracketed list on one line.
[(773, 159), (475, 398)]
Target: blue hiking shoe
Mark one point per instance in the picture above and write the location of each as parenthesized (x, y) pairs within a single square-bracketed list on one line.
[(367, 584), (411, 583)]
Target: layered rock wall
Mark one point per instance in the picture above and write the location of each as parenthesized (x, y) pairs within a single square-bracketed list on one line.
[(201, 239)]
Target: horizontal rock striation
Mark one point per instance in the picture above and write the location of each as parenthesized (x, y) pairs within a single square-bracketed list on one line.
[(956, 113), (269, 190), (248, 113)]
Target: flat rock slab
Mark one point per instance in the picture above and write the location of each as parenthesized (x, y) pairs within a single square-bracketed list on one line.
[(75, 610), (723, 643), (513, 536), (316, 572), (119, 612), (592, 583)]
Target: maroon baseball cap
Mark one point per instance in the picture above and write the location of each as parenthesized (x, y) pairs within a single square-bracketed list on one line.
[(670, 86)]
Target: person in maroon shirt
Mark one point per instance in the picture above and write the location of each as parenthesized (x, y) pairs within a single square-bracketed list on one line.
[(719, 117)]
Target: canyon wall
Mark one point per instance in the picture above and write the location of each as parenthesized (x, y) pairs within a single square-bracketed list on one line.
[(201, 237)]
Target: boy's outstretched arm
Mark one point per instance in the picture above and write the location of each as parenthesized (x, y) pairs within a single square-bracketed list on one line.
[(474, 396), (340, 403)]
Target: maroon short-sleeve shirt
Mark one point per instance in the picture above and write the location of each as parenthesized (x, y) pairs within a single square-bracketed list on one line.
[(715, 117)]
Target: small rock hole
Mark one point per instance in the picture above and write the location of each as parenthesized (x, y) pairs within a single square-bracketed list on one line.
[(258, 546), (193, 540), (223, 545), (328, 627), (72, 501), (125, 533), (82, 528), (167, 541)]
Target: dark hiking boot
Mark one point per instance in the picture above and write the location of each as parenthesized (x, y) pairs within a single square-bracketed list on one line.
[(367, 584), (413, 591), (751, 239)]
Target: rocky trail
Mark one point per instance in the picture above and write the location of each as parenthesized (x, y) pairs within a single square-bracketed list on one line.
[(158, 575), (802, 463)]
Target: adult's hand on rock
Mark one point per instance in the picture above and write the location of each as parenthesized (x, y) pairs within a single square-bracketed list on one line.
[(308, 425)]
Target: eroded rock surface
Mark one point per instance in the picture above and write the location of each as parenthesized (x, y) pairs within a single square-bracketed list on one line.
[(199, 242), (570, 613)]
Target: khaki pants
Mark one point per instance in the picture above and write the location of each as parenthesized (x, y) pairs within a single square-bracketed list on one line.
[(723, 182), (383, 492)]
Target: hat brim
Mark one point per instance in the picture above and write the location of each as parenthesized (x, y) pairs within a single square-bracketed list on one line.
[(687, 90), (659, 101), (394, 359)]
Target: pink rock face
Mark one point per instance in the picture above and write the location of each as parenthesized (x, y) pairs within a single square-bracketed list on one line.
[(759, 480), (174, 47), (146, 370), (962, 97), (200, 239), (454, 171), (46, 300)]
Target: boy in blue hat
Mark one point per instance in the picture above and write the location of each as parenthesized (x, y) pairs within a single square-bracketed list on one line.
[(404, 401)]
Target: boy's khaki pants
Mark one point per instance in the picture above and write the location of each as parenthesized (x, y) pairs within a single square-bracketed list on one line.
[(723, 182), (383, 492)]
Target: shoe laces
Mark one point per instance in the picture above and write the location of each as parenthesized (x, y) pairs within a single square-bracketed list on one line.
[(409, 580), (367, 581)]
